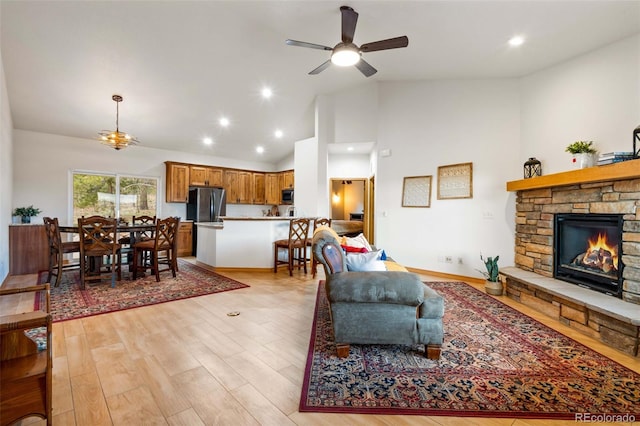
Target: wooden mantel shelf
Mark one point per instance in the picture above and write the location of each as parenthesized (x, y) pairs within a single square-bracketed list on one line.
[(618, 171)]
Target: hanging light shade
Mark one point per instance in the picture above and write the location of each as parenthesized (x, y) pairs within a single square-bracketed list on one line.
[(115, 138)]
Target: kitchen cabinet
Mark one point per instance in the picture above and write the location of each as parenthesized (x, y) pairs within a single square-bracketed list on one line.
[(272, 191), (287, 180), (258, 188), (205, 176), (177, 182), (245, 194), (185, 239), (231, 186)]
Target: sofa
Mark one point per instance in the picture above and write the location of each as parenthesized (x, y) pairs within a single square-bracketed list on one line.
[(377, 306)]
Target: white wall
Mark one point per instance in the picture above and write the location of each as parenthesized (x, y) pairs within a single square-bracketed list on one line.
[(349, 166), (306, 177), (355, 113), (6, 174), (592, 97), (428, 124), (42, 165)]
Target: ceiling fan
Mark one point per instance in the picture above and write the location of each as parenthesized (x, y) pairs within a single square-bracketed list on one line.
[(347, 53)]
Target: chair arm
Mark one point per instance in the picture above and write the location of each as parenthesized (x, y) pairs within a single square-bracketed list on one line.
[(403, 288), (433, 304)]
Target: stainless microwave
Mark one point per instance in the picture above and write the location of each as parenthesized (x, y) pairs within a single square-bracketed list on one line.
[(287, 196)]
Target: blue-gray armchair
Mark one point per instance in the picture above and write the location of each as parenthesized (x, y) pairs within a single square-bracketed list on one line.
[(377, 307)]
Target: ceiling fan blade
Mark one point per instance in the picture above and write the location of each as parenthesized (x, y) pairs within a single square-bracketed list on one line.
[(391, 43), (309, 45), (349, 20), (365, 68), (321, 68)]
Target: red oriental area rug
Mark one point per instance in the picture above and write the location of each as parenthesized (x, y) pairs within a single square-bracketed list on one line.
[(495, 362), (68, 301)]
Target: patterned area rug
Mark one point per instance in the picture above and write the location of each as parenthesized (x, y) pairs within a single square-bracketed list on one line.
[(496, 362), (68, 301)]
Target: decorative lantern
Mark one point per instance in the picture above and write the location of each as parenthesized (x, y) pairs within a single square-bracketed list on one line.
[(532, 168), (636, 137)]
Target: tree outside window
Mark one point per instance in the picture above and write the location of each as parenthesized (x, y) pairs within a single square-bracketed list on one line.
[(114, 196)]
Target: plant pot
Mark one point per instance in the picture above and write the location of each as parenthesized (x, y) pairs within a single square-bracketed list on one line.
[(584, 160), (493, 288), (26, 219)]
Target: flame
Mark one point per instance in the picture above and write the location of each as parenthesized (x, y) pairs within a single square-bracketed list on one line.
[(601, 254)]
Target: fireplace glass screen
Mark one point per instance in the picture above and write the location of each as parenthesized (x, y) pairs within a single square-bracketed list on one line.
[(587, 251)]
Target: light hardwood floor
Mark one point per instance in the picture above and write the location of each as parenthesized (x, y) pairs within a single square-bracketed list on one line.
[(188, 363)]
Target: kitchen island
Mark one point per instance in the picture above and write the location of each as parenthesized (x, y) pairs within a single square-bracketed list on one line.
[(240, 242)]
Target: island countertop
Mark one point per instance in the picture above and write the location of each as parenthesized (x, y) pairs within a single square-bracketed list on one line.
[(257, 217)]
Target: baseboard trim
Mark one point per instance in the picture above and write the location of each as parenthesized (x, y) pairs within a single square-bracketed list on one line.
[(448, 276)]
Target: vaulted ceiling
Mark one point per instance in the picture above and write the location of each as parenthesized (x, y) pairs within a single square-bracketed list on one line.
[(182, 65)]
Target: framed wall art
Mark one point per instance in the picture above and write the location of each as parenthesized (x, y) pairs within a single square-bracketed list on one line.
[(416, 191), (455, 181)]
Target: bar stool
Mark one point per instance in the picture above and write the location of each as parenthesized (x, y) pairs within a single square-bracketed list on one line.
[(296, 246)]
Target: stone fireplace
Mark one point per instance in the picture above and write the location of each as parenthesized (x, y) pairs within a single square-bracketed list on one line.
[(535, 215), (545, 279)]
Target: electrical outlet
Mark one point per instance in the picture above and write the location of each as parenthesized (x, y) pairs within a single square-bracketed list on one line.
[(440, 259), (448, 259)]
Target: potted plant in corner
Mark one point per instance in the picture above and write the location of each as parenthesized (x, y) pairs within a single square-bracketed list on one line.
[(583, 154), (492, 286), (26, 212)]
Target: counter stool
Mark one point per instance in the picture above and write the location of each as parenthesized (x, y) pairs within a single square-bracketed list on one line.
[(296, 246)]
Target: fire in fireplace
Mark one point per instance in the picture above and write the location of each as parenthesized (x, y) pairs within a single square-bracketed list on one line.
[(587, 251)]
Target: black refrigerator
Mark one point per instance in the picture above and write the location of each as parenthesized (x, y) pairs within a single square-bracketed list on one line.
[(205, 205)]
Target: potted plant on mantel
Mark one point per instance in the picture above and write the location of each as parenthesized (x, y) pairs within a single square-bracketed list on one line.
[(583, 154), (26, 213), (493, 285)]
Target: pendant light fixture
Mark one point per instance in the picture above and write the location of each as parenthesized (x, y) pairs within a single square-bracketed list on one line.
[(115, 138)]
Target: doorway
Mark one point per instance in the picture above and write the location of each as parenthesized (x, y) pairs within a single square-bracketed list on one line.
[(351, 206)]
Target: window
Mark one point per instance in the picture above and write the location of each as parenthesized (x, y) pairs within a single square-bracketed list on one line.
[(113, 195)]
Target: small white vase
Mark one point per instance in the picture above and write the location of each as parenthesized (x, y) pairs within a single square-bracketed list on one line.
[(584, 160)]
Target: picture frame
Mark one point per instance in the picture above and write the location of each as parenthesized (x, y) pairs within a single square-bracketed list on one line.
[(416, 191), (455, 181)]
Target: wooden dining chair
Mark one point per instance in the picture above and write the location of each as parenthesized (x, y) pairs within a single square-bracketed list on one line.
[(127, 240), (100, 256), (162, 249), (295, 245), (317, 222), (57, 250)]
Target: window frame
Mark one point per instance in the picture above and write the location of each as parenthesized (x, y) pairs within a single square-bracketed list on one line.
[(118, 177)]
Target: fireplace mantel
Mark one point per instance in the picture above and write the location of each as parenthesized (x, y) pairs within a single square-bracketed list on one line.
[(611, 172)]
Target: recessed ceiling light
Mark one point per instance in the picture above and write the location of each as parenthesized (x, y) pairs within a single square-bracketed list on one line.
[(350, 148), (266, 93), (224, 121), (207, 141), (516, 41), (259, 150), (278, 133)]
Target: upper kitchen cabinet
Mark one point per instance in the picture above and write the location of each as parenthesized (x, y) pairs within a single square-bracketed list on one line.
[(231, 186), (205, 176), (272, 191), (258, 187), (177, 182), (287, 180), (245, 193)]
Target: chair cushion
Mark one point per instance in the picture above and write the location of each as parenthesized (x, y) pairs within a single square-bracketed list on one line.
[(371, 287)]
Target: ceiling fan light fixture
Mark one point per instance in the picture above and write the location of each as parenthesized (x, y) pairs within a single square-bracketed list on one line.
[(344, 56), (115, 138)]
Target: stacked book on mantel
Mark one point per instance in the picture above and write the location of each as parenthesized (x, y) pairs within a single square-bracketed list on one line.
[(614, 157)]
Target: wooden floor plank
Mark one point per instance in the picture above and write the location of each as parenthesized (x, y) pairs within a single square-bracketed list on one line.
[(188, 363)]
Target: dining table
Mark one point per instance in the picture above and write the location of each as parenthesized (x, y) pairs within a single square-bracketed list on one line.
[(135, 232)]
